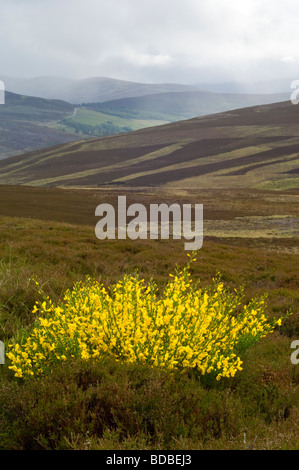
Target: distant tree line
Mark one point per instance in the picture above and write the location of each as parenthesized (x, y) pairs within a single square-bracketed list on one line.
[(107, 128)]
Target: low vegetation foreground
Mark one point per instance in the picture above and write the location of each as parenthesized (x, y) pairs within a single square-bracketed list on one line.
[(105, 350)]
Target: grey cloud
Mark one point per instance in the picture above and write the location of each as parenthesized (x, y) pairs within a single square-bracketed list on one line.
[(153, 40)]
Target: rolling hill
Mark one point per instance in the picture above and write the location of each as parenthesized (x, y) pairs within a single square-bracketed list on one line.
[(176, 106), (87, 90), (101, 89), (24, 124), (31, 123), (256, 147)]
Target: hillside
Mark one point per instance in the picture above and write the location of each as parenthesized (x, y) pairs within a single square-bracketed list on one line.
[(130, 114), (87, 122), (24, 121), (31, 123), (274, 85), (255, 147), (175, 106)]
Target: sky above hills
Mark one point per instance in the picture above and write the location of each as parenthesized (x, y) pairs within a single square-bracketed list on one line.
[(182, 41)]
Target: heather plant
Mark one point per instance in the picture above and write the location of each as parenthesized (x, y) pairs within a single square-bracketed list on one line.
[(183, 327)]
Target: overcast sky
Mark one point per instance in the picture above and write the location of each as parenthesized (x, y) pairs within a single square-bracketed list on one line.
[(183, 41)]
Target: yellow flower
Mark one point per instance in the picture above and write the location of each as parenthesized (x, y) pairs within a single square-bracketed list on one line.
[(185, 326)]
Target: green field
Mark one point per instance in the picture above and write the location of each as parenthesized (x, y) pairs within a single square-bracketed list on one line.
[(94, 122)]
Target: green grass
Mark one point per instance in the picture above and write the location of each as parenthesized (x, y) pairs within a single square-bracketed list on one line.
[(280, 184), (94, 118), (95, 122)]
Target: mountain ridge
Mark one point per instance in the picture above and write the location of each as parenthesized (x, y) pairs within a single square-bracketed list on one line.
[(102, 88), (256, 147), (94, 89)]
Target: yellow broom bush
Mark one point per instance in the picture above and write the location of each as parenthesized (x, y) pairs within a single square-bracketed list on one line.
[(183, 327)]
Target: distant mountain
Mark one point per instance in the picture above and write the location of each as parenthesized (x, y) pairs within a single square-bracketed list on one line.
[(177, 106), (89, 90), (100, 89), (254, 147)]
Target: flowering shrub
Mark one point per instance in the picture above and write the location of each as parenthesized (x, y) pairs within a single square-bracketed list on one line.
[(185, 327)]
